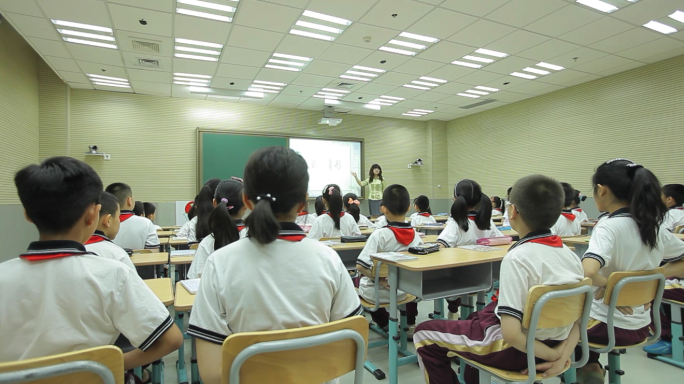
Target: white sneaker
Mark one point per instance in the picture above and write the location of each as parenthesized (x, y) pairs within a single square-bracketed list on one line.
[(411, 331), (453, 316)]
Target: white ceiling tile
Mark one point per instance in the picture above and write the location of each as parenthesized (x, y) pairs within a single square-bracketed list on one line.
[(510, 97), (80, 11), (150, 87), (149, 92), (657, 47), (418, 67), (519, 13), (347, 54), (359, 97), (409, 104), (548, 49), (603, 64), (197, 28), (243, 56), (596, 31), (586, 78), (127, 18), (377, 89), (621, 68), (458, 101), (535, 88), (157, 5), (313, 80), (431, 96), (451, 72), (506, 82), (477, 8), (73, 77), (362, 111), (237, 71), (678, 35), (245, 37), (131, 61), (149, 76), (583, 55), (510, 64), (80, 85), (517, 41), (326, 68), (290, 3), (33, 26), (112, 89), (289, 99), (452, 88), (348, 9), (479, 77), (194, 66), (299, 90), (394, 78), (441, 23), (247, 100), (391, 60), (95, 54), (62, 64), (225, 83), (663, 56), (445, 52), (124, 39), (302, 46), (102, 69), (276, 75), (24, 7), (49, 47), (182, 91), (564, 76), (645, 10), (408, 12), (626, 40), (481, 33), (407, 93), (563, 20), (312, 104), (223, 100), (356, 32), (272, 17)]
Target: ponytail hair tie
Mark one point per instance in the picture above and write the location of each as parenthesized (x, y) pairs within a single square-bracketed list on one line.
[(632, 168), (352, 201), (266, 197), (226, 201), (330, 190)]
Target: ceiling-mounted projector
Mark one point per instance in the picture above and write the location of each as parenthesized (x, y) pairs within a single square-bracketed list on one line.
[(329, 117)]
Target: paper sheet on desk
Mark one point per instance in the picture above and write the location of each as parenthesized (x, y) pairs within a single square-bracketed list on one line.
[(191, 285), (393, 256), (179, 238), (331, 243), (479, 248), (183, 252)]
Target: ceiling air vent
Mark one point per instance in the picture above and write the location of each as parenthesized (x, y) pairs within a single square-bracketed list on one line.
[(344, 85), (146, 46), (148, 63), (478, 104)]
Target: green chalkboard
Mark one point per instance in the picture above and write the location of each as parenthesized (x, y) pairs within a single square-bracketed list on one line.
[(223, 155)]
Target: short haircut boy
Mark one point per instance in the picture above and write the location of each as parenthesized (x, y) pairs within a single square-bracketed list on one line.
[(150, 208), (539, 199), (569, 193), (110, 205), (57, 192), (139, 209), (675, 191), (121, 191), (396, 199)]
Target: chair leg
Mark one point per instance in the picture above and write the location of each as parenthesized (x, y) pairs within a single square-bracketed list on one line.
[(485, 377), (377, 372), (461, 371), (613, 367), (677, 339)]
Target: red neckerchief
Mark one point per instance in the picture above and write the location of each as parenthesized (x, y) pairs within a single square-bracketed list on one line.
[(471, 216), (404, 235), (678, 207), (569, 216), (424, 214), (240, 228), (328, 213), (96, 238), (293, 237), (39, 255), (125, 216), (303, 213), (578, 209), (552, 241)]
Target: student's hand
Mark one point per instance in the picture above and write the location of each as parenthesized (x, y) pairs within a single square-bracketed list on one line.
[(647, 306), (626, 310), (550, 368), (600, 293), (558, 350), (384, 282)]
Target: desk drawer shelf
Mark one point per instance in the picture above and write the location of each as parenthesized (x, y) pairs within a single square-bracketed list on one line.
[(441, 283)]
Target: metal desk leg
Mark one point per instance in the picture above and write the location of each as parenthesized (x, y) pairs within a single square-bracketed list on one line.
[(180, 364), (194, 372), (393, 347), (481, 301), (438, 311), (157, 371)]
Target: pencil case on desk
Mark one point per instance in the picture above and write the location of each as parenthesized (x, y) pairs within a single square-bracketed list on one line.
[(500, 240), (354, 239), (424, 249)]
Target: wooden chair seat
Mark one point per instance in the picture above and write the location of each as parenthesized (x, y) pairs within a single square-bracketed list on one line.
[(502, 373), (367, 304)]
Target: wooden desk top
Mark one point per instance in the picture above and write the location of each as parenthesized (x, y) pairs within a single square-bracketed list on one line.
[(184, 299), (359, 246), (170, 227), (679, 235), (182, 260), (367, 231), (164, 233), (576, 240), (178, 242), (162, 289), (430, 227), (156, 258), (449, 258), (510, 232), (164, 240), (589, 224)]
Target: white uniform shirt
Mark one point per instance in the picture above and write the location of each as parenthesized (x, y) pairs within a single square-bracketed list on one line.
[(381, 222), (102, 246), (537, 259), (80, 300), (581, 215), (188, 230), (453, 235), (422, 218), (674, 218), (206, 248), (567, 225), (249, 287), (385, 240), (305, 219), (496, 212), (616, 244), (365, 222), (157, 227), (324, 226), (136, 232)]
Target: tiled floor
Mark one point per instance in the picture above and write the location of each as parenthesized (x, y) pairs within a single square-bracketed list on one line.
[(638, 368)]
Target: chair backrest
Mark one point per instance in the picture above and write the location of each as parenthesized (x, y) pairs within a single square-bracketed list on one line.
[(679, 229), (559, 311), (283, 364), (383, 270), (108, 356), (634, 293), (194, 246)]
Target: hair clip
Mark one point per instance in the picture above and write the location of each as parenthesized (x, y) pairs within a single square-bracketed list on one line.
[(352, 201), (224, 199), (237, 179), (330, 190), (618, 159), (227, 206), (266, 196), (634, 165)]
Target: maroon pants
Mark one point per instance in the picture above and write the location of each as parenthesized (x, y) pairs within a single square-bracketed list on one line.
[(676, 294), (597, 332), (381, 316)]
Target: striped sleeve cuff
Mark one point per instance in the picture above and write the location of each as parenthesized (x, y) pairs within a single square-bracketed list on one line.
[(680, 257), (163, 327), (356, 312), (595, 257), (510, 312), (444, 243), (364, 264), (205, 334)]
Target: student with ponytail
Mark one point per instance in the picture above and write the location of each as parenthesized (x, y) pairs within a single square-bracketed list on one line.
[(335, 222), (631, 238), (498, 206), (577, 198), (423, 213), (225, 223), (673, 197), (255, 284), (352, 206), (201, 208), (319, 206), (568, 224)]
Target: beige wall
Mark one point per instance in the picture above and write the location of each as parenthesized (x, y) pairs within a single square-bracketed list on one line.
[(638, 114), (54, 113)]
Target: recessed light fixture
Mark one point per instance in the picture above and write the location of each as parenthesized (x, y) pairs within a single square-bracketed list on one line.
[(334, 90), (523, 75), (253, 89), (282, 68), (324, 17), (417, 112), (425, 83), (108, 81), (550, 66), (205, 15), (324, 96), (312, 35), (380, 102), (86, 35), (466, 64), (407, 42), (487, 88), (355, 78), (91, 75), (398, 51), (361, 73), (423, 110), (293, 57), (81, 26), (198, 43), (468, 95), (190, 83), (599, 5), (369, 69), (266, 86), (433, 79), (393, 98), (411, 114), (477, 58), (195, 57), (489, 52), (198, 50), (192, 75), (537, 71), (206, 10), (88, 42), (186, 45), (658, 27), (372, 106), (416, 87), (292, 63), (112, 85), (414, 36), (319, 26), (269, 83), (677, 15), (191, 79), (477, 92)]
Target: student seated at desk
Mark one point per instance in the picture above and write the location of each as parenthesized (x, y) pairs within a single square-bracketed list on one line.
[(397, 236), (351, 205), (135, 232), (108, 225), (673, 197), (674, 290), (225, 223), (423, 214), (498, 206), (150, 213), (58, 297), (568, 224), (495, 336), (631, 238), (304, 218), (335, 222), (256, 284), (577, 198), (202, 204), (139, 209), (319, 206)]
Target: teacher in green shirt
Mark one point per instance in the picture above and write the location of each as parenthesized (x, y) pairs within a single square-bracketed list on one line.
[(377, 187)]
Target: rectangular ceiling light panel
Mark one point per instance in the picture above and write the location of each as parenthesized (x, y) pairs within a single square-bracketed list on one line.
[(409, 44), (319, 26), (86, 34), (362, 73), (197, 50), (212, 10), (285, 62)]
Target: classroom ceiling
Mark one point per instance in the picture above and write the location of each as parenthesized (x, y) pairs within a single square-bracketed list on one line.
[(241, 50)]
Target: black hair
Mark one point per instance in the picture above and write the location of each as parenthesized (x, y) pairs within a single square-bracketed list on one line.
[(468, 194), (212, 184), (204, 205), (423, 204), (539, 200), (109, 203), (352, 208), (139, 209), (276, 180), (371, 175), (638, 187), (500, 204), (675, 191), (577, 198), (568, 194), (192, 212), (121, 191), (396, 199), (508, 192), (319, 206), (150, 208), (56, 193), (228, 199), (332, 194)]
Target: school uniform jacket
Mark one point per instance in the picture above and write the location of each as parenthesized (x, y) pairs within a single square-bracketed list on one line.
[(365, 222), (539, 258), (304, 218), (453, 235), (422, 218), (581, 215), (188, 230), (250, 287), (102, 246), (395, 237), (136, 232), (324, 226), (616, 244), (567, 224), (206, 248), (674, 218), (381, 222), (58, 297)]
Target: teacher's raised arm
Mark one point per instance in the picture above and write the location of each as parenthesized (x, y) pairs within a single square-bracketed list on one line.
[(377, 185)]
